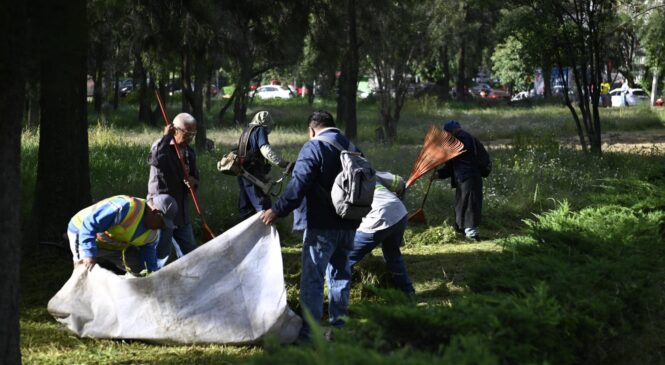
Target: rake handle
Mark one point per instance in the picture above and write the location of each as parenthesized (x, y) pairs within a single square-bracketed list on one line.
[(426, 193)]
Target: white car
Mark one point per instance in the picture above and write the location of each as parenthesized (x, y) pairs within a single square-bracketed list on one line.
[(272, 92), (628, 97), (522, 95)]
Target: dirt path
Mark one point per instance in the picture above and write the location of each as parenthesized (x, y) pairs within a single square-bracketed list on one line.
[(616, 141)]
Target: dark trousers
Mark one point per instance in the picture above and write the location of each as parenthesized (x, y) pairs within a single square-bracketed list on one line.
[(390, 240), (181, 238), (468, 202), (251, 199)]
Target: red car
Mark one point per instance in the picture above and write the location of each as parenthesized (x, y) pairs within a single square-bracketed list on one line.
[(498, 94)]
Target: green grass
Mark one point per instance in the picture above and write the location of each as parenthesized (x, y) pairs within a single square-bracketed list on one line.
[(571, 271)]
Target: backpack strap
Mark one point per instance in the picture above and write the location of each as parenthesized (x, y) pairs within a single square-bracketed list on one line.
[(243, 142), (336, 144)]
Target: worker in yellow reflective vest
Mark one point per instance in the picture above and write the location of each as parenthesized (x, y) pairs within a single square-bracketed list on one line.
[(121, 230)]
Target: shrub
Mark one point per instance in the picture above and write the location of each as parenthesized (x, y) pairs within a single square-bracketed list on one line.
[(574, 290)]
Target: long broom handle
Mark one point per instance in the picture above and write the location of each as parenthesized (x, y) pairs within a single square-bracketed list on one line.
[(426, 193), (184, 169)]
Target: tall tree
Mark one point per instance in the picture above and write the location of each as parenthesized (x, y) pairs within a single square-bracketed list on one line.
[(539, 47), (63, 176), (652, 36), (348, 80), (258, 36), (390, 30), (12, 25), (323, 47), (585, 25), (509, 65), (444, 32), (475, 34)]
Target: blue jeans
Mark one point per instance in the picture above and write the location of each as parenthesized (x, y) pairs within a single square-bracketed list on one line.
[(325, 253), (390, 240), (182, 238)]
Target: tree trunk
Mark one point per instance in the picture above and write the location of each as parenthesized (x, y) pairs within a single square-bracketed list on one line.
[(155, 113), (547, 78), (569, 104), (207, 105), (12, 25), (445, 81), (144, 101), (197, 106), (97, 94), (350, 76), (389, 126), (241, 99), (63, 175), (654, 86), (116, 89), (461, 75), (33, 107), (310, 93), (240, 105), (186, 82), (220, 117)]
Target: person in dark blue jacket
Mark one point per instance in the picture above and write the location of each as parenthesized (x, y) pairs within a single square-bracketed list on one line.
[(464, 172), (327, 239), (257, 155)]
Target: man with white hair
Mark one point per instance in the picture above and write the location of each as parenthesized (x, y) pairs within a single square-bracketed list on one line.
[(256, 156), (167, 177)]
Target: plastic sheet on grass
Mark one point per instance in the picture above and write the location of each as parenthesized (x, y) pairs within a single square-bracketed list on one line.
[(230, 290)]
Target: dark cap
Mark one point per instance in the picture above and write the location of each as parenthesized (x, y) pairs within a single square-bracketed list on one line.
[(167, 206), (450, 125)]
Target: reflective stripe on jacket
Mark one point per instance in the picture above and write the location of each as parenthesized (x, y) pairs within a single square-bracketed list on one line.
[(121, 235)]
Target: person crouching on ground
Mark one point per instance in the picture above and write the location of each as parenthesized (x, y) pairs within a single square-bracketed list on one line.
[(257, 155), (385, 225), (167, 177), (464, 173), (121, 226)]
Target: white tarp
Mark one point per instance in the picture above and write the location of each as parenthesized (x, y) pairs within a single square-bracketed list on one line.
[(230, 290)]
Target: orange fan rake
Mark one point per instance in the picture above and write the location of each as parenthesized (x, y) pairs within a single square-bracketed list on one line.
[(439, 146)]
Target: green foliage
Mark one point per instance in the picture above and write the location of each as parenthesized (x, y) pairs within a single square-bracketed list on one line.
[(509, 67), (431, 236), (578, 283), (653, 34)]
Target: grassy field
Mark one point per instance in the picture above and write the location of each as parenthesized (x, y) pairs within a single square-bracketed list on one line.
[(571, 271)]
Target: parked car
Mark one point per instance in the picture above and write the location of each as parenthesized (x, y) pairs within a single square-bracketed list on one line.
[(522, 95), (125, 87), (498, 94), (272, 92), (558, 90), (480, 90), (628, 97)]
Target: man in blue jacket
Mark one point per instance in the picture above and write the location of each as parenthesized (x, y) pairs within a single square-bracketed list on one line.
[(466, 178), (327, 239)]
